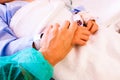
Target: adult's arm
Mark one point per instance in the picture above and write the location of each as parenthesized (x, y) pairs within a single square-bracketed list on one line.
[(27, 64)]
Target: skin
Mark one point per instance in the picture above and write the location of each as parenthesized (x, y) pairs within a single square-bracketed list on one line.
[(83, 32), (92, 26), (81, 36)]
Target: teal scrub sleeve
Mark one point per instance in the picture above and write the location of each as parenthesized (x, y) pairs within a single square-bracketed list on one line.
[(27, 64)]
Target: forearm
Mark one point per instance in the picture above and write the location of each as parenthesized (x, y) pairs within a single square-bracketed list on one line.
[(26, 63)]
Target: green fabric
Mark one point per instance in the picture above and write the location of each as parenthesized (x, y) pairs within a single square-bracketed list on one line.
[(27, 64)]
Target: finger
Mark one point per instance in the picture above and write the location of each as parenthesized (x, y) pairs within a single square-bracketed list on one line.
[(86, 32), (80, 42), (84, 37), (83, 30), (94, 28), (89, 25), (47, 29), (65, 26), (57, 25), (73, 27), (55, 29)]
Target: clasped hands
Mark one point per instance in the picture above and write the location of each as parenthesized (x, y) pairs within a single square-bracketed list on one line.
[(58, 40)]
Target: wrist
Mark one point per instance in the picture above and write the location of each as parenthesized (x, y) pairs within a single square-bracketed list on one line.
[(48, 57)]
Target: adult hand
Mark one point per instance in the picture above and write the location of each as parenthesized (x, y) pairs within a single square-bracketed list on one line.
[(57, 41)]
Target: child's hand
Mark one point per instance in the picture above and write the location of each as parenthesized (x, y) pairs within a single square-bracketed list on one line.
[(89, 21), (81, 36), (92, 26), (83, 32)]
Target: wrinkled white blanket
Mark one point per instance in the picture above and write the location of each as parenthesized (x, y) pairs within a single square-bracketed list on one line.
[(98, 60)]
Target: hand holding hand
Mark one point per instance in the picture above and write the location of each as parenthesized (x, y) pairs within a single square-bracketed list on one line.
[(57, 41), (81, 36)]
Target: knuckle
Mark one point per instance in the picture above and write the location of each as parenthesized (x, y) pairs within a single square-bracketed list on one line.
[(67, 21), (57, 24)]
